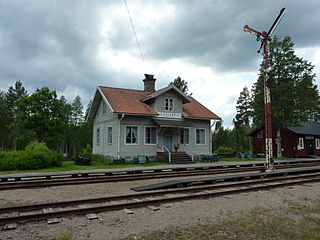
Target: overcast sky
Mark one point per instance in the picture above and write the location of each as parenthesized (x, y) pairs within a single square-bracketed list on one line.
[(75, 45)]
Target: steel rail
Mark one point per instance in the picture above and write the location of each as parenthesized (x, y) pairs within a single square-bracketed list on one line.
[(42, 216), (141, 176), (236, 188)]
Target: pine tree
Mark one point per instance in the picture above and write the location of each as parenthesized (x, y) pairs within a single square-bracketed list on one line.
[(12, 96), (294, 97), (77, 117), (244, 111), (182, 85), (3, 121)]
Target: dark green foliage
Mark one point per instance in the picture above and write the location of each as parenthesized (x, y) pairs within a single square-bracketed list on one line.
[(87, 149), (8, 112), (42, 113), (181, 85), (294, 97), (35, 156), (42, 117), (244, 110), (99, 159), (224, 150), (235, 138)]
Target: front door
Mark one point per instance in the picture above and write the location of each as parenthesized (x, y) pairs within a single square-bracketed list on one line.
[(309, 146), (167, 139)]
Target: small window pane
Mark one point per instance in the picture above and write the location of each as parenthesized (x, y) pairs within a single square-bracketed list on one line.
[(184, 136), (131, 135), (168, 104), (109, 135), (98, 136), (151, 137), (200, 136)]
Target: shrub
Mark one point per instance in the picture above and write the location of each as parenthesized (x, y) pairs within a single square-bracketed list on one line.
[(101, 159), (87, 149), (35, 156), (225, 150)]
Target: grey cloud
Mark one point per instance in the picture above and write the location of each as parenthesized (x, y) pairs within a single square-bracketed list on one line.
[(53, 43), (210, 32)]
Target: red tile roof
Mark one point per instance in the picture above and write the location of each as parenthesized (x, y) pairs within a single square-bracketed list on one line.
[(194, 109), (129, 101)]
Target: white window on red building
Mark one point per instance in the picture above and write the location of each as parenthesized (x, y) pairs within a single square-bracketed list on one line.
[(317, 143), (300, 144)]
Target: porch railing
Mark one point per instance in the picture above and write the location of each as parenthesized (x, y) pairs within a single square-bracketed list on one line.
[(166, 149)]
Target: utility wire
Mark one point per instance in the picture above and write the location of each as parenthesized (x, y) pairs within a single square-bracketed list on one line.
[(135, 34)]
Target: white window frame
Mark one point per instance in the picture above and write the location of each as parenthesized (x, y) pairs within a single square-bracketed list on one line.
[(104, 107), (125, 134), (182, 130), (109, 135), (317, 143), (145, 135), (199, 139), (98, 136), (170, 108), (300, 144)]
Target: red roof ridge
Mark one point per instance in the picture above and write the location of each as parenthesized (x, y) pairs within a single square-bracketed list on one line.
[(128, 89)]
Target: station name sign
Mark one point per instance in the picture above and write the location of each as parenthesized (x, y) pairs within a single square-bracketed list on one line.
[(169, 115)]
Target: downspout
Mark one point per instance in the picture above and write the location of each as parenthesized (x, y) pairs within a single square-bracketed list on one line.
[(119, 125), (210, 136)]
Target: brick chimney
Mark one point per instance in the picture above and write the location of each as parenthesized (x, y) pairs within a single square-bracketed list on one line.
[(149, 83)]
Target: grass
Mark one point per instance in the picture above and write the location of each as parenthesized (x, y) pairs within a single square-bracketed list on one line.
[(71, 166), (294, 222)]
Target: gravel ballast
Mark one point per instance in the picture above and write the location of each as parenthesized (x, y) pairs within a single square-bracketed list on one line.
[(117, 224)]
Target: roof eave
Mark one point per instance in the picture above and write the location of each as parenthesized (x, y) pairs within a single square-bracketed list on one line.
[(162, 91)]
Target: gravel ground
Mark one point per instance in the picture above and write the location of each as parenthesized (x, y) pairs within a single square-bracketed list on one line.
[(116, 224)]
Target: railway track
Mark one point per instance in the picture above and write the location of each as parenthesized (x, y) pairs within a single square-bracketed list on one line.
[(40, 183), (154, 198)]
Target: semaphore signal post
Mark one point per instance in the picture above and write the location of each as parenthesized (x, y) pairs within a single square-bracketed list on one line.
[(265, 37)]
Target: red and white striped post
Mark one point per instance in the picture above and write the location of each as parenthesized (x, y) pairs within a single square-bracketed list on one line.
[(264, 37)]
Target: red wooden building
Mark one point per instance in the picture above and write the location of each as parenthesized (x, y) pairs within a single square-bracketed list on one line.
[(299, 141)]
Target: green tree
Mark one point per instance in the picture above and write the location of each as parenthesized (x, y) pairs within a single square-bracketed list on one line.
[(76, 125), (12, 96), (77, 117), (3, 121), (11, 131), (244, 111), (181, 85), (294, 97), (42, 113)]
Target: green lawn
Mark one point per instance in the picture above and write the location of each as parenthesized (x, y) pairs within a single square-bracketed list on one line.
[(71, 166)]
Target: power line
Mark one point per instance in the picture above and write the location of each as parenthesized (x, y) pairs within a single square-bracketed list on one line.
[(135, 34)]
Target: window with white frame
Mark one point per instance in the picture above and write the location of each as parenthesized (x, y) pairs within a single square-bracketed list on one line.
[(109, 135), (104, 107), (150, 135), (200, 136), (132, 135), (300, 144), (317, 143), (260, 134), (168, 104), (184, 136), (98, 136)]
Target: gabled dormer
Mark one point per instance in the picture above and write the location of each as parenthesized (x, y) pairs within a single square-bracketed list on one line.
[(167, 102)]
